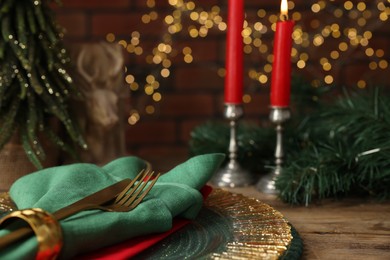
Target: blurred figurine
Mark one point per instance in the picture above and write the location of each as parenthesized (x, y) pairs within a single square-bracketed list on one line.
[(100, 76)]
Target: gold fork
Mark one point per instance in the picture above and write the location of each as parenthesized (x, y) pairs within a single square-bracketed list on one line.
[(129, 198)]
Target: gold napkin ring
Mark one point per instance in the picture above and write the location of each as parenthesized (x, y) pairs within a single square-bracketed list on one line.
[(46, 228)]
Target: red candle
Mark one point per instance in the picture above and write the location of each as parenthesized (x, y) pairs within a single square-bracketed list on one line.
[(281, 68), (234, 53)]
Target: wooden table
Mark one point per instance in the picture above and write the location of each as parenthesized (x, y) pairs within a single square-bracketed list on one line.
[(345, 229)]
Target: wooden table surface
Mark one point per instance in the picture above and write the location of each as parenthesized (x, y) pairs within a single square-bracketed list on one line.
[(344, 229)]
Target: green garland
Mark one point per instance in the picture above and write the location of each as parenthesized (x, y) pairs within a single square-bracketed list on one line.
[(253, 143), (34, 82), (333, 148), (341, 149)]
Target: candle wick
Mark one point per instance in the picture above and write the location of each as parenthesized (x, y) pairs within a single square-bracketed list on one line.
[(284, 17)]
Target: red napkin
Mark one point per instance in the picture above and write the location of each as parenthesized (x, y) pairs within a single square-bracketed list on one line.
[(134, 246)]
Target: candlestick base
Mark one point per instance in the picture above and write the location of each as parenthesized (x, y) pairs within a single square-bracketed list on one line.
[(278, 116), (266, 184), (232, 175)]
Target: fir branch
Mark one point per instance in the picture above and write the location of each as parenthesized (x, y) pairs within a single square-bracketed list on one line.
[(253, 143), (20, 24), (31, 20), (64, 146), (32, 117), (37, 7), (8, 122), (6, 6), (33, 72), (2, 49), (343, 151), (33, 157)]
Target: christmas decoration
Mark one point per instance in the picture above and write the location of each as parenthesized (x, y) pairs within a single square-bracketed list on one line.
[(34, 80), (256, 144), (333, 147)]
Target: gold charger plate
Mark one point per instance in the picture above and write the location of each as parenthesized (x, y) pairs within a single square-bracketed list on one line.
[(230, 226)]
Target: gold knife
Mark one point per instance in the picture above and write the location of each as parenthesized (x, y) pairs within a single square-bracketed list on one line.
[(100, 197)]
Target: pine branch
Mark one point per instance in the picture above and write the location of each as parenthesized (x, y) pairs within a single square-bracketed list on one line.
[(253, 143), (342, 150), (33, 73)]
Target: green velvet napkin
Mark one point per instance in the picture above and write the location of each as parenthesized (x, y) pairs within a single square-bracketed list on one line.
[(175, 194)]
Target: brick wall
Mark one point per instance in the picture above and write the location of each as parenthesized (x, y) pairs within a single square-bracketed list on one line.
[(193, 94)]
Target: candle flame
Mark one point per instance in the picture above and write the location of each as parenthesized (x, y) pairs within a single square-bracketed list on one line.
[(284, 8)]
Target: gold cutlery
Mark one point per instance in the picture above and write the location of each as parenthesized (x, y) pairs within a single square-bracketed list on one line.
[(127, 193)]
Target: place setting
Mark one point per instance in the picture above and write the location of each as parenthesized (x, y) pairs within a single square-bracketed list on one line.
[(118, 140), (211, 223)]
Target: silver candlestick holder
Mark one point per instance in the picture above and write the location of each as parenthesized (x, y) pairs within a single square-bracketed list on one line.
[(278, 116), (232, 175)]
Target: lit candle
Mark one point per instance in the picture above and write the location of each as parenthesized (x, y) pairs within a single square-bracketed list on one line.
[(234, 53), (281, 68)]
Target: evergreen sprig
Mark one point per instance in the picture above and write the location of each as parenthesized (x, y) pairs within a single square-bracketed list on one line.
[(34, 81), (341, 149), (253, 143)]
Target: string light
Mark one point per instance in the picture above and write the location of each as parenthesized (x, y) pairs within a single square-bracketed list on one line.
[(336, 30)]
